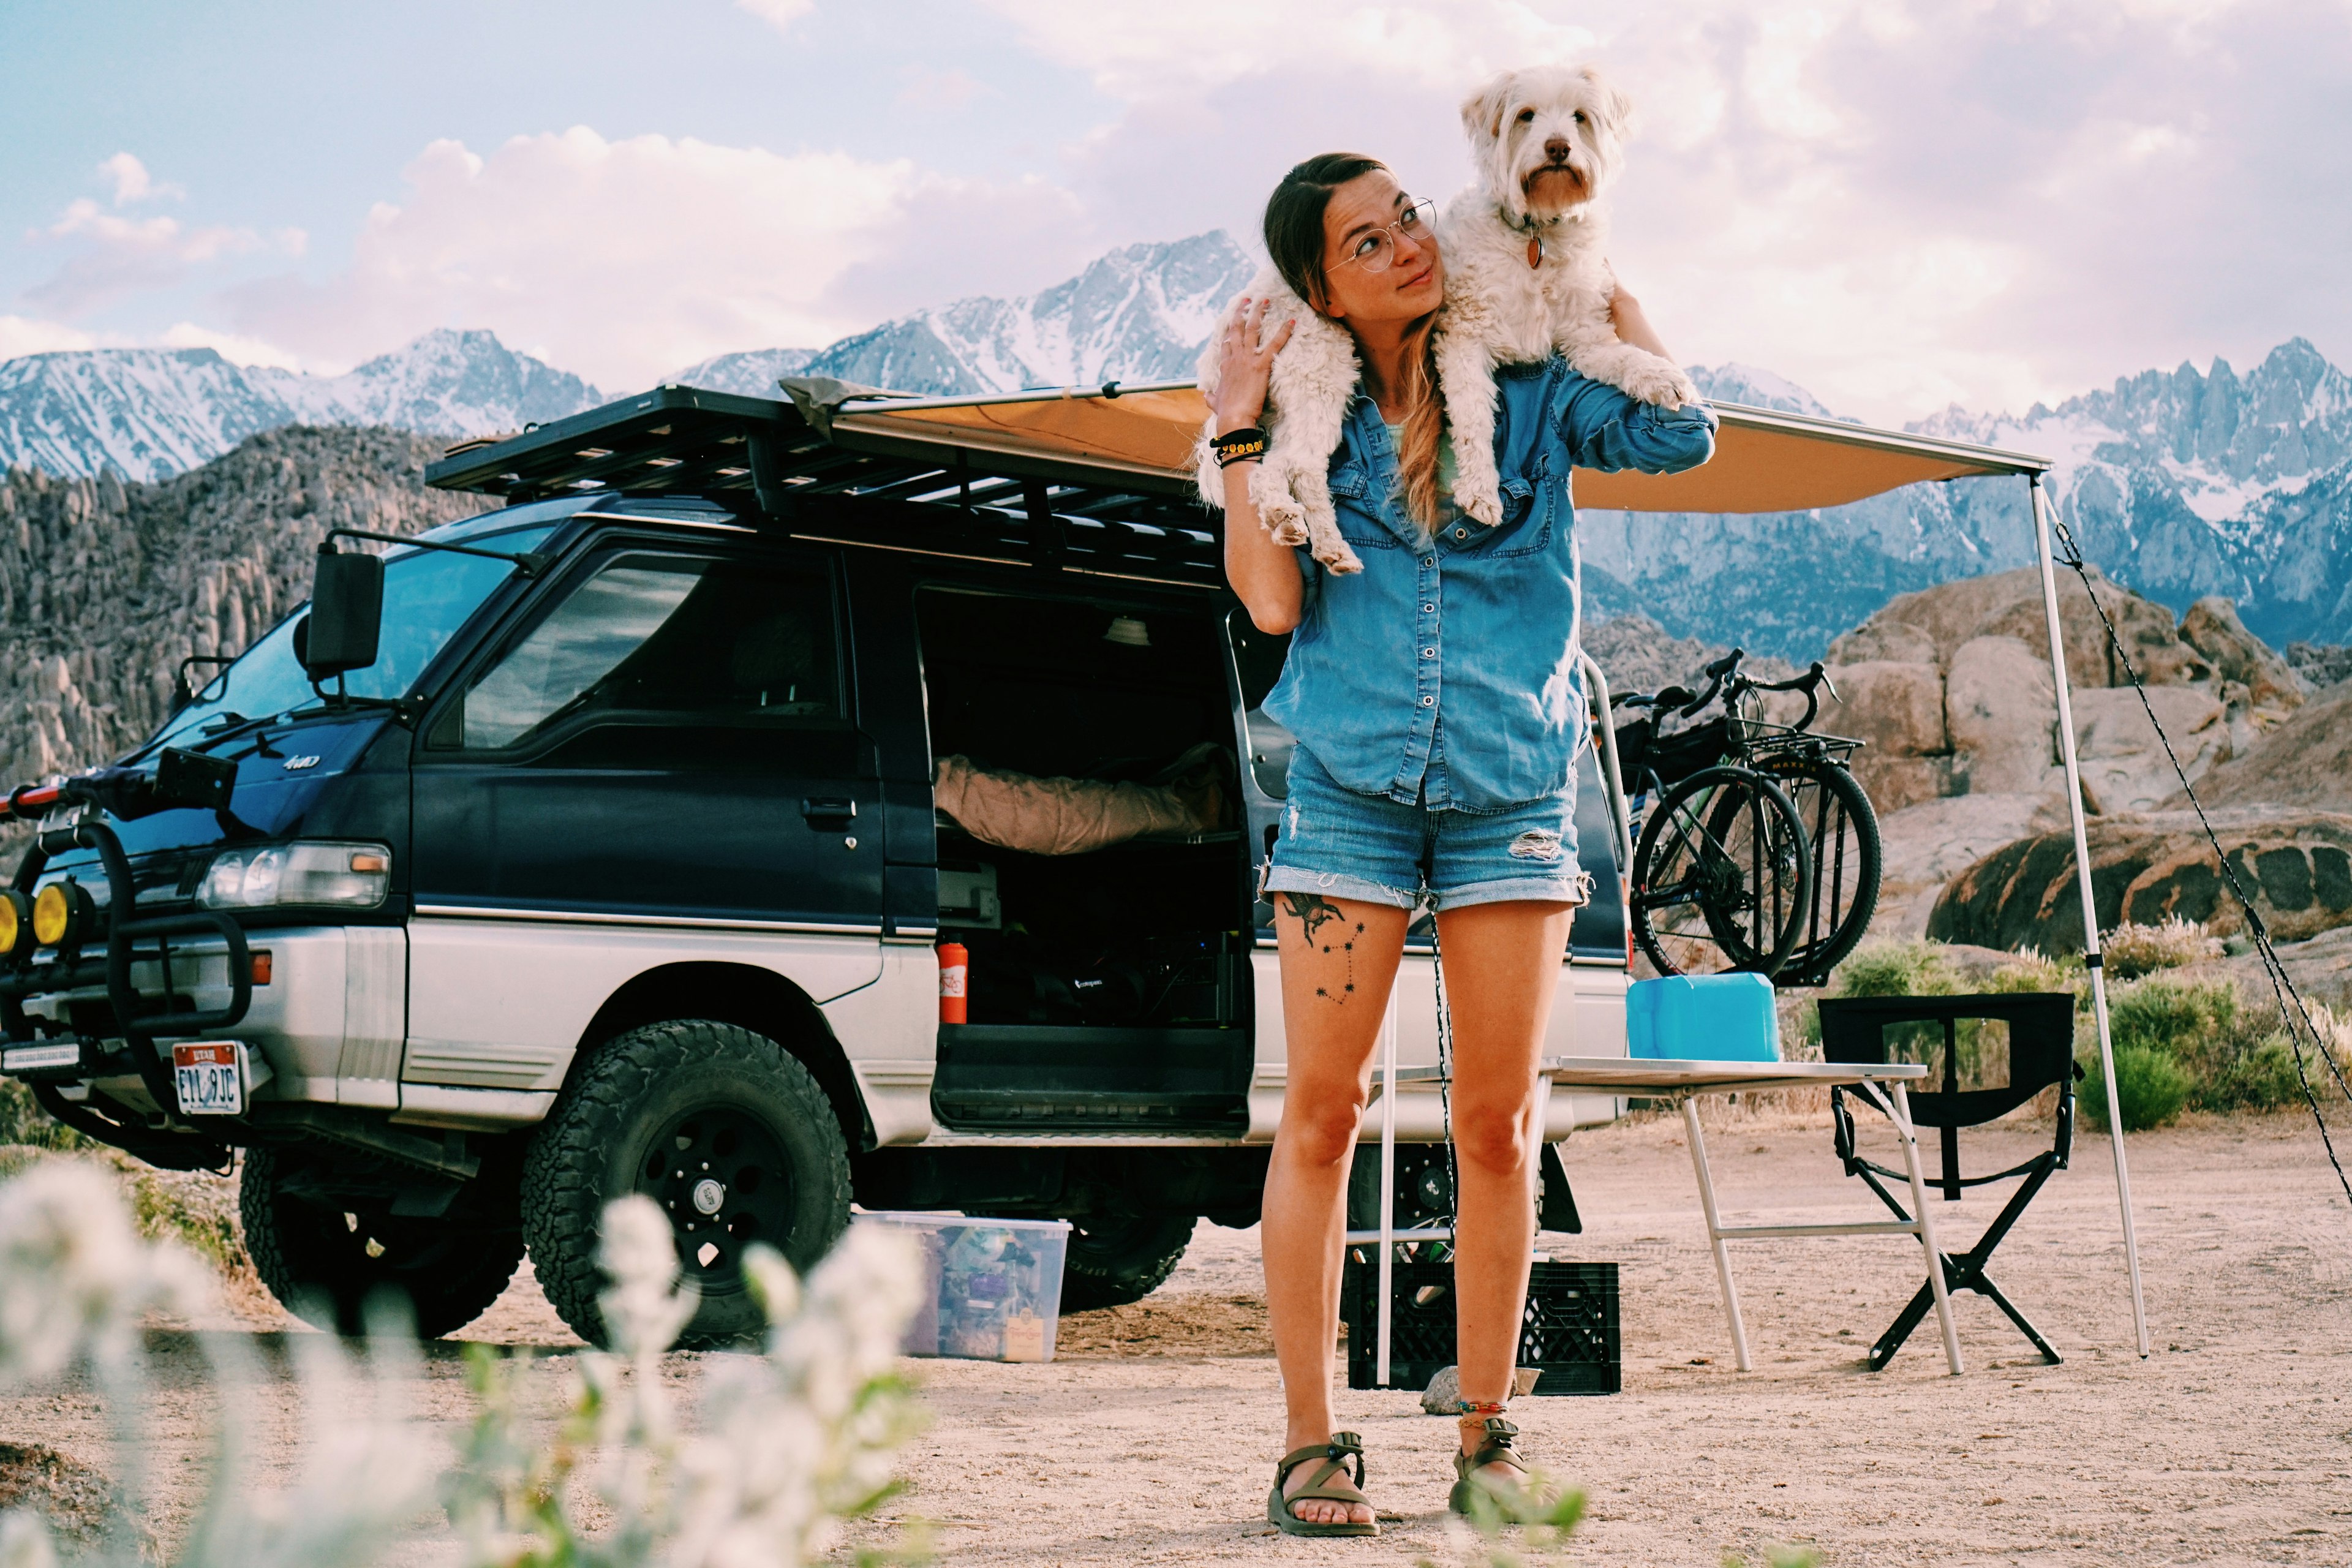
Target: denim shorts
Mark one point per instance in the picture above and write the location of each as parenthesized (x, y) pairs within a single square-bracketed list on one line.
[(1344, 844)]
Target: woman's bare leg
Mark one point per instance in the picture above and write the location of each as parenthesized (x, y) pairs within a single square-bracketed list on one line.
[(1502, 968), (1338, 959)]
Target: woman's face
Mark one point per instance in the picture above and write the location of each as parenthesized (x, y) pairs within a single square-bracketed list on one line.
[(1414, 282)]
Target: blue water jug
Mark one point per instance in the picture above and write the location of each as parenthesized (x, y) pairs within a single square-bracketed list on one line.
[(1703, 1017)]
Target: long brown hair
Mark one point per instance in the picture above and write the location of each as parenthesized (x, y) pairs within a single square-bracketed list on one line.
[(1294, 241)]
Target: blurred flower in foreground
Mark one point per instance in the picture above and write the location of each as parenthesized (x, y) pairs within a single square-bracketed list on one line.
[(797, 1439)]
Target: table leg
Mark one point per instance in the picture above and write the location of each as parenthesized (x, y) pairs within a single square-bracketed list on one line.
[(1388, 1044), (1901, 1105), (1715, 1233)]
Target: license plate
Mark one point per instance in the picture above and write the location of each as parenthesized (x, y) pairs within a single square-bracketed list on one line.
[(210, 1077)]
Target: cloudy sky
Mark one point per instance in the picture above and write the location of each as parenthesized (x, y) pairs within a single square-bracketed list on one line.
[(1898, 205)]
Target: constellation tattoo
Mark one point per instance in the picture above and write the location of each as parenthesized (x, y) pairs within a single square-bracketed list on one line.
[(1314, 913)]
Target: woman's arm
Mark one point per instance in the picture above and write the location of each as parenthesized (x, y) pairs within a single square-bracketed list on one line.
[(1633, 327), (1265, 576)]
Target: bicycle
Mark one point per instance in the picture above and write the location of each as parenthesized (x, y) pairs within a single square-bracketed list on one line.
[(1723, 879)]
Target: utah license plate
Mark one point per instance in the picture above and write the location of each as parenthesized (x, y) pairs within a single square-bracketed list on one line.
[(210, 1077)]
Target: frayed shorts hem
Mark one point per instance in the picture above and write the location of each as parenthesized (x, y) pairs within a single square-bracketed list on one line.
[(1516, 890)]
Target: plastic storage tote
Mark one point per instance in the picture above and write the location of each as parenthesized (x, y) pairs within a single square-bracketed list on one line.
[(992, 1288), (1703, 1017)]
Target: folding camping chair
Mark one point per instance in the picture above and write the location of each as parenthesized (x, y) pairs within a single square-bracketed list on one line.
[(2041, 1052)]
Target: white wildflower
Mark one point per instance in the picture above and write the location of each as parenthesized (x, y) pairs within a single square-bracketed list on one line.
[(25, 1540), (74, 1276), (645, 1307)]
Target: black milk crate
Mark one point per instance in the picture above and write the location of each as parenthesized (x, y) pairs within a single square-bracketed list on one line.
[(1571, 1334)]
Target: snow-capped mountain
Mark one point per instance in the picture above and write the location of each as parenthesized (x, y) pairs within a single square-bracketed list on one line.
[(2178, 484), (1140, 313), (754, 374), (147, 413)]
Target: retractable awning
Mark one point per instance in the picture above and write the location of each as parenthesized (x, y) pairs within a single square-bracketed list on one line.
[(1766, 461)]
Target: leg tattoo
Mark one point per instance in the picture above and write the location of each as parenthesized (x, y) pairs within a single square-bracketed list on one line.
[(1314, 913)]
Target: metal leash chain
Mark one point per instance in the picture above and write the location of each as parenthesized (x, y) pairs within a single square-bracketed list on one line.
[(2282, 984), (1445, 1088)]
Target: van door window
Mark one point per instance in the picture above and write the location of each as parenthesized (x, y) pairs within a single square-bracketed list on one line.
[(727, 641)]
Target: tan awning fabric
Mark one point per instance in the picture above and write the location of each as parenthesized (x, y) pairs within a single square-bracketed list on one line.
[(1764, 462)]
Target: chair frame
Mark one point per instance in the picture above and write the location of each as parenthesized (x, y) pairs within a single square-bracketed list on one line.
[(1854, 1030)]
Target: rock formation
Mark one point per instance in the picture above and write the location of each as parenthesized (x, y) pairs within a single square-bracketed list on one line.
[(105, 586), (1982, 644)]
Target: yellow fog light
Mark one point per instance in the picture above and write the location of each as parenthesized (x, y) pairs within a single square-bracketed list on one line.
[(61, 914), (15, 921)]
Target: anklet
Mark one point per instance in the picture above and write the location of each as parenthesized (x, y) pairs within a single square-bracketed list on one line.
[(1475, 1407)]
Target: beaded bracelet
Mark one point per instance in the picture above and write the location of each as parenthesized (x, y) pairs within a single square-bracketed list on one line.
[(1239, 446)]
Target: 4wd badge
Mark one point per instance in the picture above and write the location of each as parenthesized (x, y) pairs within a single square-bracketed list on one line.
[(296, 764)]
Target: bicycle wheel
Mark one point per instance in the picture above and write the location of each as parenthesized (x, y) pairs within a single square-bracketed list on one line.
[(1722, 877), (1843, 832)]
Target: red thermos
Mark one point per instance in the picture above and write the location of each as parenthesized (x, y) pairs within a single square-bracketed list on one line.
[(955, 964)]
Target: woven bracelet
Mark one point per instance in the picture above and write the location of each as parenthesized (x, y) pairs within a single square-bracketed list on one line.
[(1239, 446)]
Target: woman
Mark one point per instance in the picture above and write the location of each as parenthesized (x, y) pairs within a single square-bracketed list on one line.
[(1438, 711)]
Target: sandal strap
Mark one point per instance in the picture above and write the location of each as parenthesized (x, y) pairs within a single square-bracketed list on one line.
[(1495, 1445), (1334, 1455)]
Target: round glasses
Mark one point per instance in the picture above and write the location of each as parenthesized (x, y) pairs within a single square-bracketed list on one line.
[(1376, 251)]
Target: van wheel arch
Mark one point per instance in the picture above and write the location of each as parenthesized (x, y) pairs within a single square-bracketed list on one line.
[(752, 998)]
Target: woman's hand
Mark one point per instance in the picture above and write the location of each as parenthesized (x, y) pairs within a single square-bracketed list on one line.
[(1244, 365)]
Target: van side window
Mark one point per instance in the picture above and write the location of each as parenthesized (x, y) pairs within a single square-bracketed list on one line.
[(723, 641)]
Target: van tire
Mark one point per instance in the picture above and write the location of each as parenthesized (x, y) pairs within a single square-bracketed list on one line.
[(315, 1258), (747, 1112), (1113, 1261)]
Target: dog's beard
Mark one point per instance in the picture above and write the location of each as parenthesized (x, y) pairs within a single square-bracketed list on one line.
[(1552, 189)]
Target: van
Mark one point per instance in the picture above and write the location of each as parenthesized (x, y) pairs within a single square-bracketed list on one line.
[(592, 846)]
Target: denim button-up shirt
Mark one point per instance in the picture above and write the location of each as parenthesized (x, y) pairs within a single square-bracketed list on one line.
[(1445, 671)]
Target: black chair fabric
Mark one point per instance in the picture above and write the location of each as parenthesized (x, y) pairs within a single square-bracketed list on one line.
[(2041, 1054)]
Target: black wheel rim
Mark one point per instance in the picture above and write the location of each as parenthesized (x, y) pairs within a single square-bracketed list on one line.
[(723, 1178)]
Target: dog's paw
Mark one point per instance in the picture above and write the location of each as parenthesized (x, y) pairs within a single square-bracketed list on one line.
[(1286, 520), (1337, 557), (1480, 504), (1660, 381)]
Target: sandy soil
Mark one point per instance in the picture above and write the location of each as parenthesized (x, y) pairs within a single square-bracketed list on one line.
[(1150, 1438)]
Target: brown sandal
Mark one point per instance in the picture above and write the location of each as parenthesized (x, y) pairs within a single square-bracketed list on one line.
[(1494, 1448), (1328, 1484)]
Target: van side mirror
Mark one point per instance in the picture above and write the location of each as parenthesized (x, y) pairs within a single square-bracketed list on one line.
[(346, 618)]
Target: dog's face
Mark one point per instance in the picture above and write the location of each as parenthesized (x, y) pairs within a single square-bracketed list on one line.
[(1546, 140)]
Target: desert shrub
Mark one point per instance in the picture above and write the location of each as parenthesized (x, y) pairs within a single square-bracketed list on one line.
[(1889, 968), (2188, 1020), (2029, 969), (2260, 1078), (2131, 949), (2153, 1088), (22, 1122)]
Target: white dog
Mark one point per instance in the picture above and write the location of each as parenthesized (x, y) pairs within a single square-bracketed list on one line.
[(1526, 275)]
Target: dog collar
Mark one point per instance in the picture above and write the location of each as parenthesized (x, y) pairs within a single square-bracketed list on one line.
[(1533, 226)]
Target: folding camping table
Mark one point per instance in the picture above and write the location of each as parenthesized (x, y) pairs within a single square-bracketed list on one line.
[(1689, 1080)]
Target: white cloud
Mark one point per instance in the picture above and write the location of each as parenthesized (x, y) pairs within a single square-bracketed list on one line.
[(623, 260), (114, 256), (778, 13), (132, 181), (1141, 49), (243, 351), (22, 335)]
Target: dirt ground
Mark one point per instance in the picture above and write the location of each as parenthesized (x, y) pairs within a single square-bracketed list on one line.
[(1149, 1439)]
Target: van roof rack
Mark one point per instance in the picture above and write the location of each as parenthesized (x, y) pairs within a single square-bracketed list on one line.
[(951, 490)]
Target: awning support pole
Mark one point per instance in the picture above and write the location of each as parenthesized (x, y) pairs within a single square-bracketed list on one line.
[(2090, 909)]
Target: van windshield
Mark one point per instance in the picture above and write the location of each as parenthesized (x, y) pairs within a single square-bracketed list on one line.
[(428, 594)]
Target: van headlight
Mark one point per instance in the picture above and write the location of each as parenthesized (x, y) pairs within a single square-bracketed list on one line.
[(342, 875)]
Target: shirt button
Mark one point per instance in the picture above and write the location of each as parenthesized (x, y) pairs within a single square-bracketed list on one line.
[(1461, 533), (1429, 702), (1428, 653), (1429, 560), (1429, 609)]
